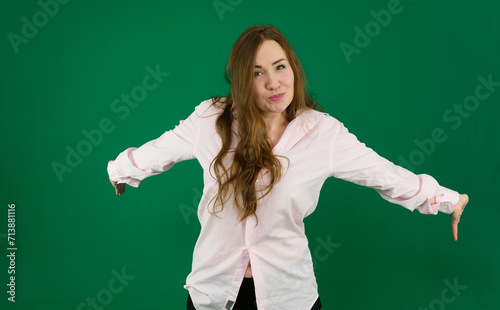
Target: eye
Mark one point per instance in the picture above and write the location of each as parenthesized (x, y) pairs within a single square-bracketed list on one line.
[(257, 73), (280, 67)]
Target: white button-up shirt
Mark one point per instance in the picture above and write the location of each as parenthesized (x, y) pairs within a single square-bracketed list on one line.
[(313, 147)]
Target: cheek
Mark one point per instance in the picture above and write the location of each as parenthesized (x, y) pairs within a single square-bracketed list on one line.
[(291, 79), (257, 89), (291, 85)]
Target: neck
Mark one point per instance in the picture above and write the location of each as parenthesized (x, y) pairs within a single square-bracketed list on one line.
[(275, 125), (274, 120)]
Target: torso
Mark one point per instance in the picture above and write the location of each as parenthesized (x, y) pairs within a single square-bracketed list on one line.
[(274, 137)]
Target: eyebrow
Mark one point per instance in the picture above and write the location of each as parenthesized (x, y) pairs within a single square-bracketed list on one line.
[(277, 61)]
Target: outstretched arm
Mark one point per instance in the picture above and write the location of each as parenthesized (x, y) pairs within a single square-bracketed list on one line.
[(354, 162), (156, 156)]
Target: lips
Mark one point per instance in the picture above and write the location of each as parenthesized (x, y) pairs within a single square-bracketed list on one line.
[(276, 97)]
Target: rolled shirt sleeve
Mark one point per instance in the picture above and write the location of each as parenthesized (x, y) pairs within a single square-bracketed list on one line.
[(353, 161), (154, 157)]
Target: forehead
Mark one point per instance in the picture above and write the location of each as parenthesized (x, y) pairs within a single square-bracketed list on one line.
[(268, 52)]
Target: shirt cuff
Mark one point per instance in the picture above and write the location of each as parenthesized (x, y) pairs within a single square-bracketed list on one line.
[(115, 174), (444, 202)]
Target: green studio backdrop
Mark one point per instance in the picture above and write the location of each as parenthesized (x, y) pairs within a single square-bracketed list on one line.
[(417, 81)]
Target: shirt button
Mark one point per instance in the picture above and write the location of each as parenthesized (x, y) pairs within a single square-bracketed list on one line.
[(445, 204), (236, 279)]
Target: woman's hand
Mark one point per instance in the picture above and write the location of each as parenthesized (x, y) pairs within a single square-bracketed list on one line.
[(458, 209), (119, 188)]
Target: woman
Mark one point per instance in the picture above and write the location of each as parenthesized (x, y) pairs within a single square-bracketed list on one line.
[(266, 151)]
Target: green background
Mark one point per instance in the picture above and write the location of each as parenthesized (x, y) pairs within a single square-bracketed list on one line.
[(72, 231)]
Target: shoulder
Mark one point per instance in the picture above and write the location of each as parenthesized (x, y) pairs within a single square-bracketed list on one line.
[(209, 109), (311, 118)]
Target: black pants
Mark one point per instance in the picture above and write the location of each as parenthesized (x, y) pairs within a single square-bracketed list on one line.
[(246, 298)]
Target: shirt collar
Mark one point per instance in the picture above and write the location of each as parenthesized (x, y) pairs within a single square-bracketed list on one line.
[(303, 125)]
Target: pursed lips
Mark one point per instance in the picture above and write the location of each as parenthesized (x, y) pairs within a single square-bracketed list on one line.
[(276, 97)]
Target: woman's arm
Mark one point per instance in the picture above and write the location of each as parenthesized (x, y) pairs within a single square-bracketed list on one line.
[(353, 161), (156, 156)]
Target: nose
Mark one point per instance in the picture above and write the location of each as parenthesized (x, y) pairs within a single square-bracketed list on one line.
[(272, 82)]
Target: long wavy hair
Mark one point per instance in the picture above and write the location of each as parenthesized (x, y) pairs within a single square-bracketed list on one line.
[(253, 152)]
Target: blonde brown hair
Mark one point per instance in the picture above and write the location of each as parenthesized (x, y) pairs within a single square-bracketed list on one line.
[(253, 152)]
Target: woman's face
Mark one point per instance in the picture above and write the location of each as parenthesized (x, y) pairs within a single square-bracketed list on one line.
[(273, 80)]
